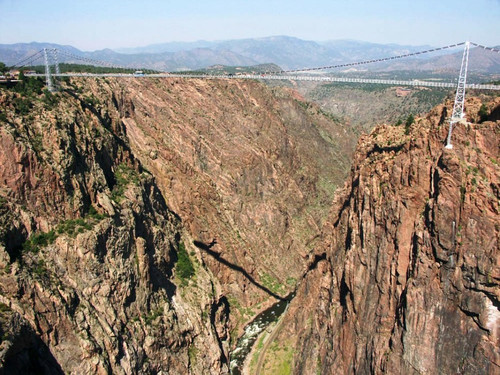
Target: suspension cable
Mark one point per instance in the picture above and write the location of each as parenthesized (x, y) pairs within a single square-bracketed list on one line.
[(97, 62), (27, 59), (486, 48), (371, 61)]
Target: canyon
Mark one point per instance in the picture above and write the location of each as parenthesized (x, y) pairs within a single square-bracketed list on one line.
[(145, 223)]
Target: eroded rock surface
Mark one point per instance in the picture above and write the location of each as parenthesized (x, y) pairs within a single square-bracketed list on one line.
[(250, 170), (410, 279), (87, 254), (143, 222)]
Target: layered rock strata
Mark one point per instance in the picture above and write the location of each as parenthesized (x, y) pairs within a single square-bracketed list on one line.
[(143, 222), (407, 279), (88, 248)]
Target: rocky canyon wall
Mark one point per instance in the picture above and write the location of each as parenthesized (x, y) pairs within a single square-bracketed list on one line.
[(143, 222), (408, 273)]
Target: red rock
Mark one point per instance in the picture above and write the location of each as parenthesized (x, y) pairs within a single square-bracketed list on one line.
[(412, 258)]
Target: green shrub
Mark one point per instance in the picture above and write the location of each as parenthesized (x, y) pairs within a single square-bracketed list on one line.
[(483, 113), (4, 307), (74, 226), (29, 85), (409, 121), (184, 267), (93, 214), (152, 316), (40, 269), (123, 176), (22, 106), (50, 100), (36, 241)]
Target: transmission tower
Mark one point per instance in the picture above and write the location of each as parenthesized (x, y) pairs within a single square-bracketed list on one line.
[(458, 107)]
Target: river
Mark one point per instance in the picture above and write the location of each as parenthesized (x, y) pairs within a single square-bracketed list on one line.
[(252, 331)]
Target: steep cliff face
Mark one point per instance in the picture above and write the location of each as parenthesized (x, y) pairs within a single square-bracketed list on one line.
[(87, 252), (249, 170), (407, 280)]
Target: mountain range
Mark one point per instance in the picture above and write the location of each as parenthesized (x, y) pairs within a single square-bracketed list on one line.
[(285, 51)]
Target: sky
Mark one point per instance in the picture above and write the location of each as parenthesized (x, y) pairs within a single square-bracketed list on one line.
[(96, 24)]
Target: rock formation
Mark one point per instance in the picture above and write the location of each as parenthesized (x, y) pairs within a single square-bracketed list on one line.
[(407, 279), (141, 221), (249, 170), (88, 251), (144, 222)]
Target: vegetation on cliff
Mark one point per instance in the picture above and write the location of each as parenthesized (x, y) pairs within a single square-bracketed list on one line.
[(144, 222), (87, 246)]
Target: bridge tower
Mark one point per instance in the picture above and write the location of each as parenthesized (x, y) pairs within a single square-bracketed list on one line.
[(458, 107), (48, 74), (56, 61)]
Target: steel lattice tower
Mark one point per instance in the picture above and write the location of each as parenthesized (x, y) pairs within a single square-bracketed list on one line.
[(48, 75), (56, 61), (458, 107)]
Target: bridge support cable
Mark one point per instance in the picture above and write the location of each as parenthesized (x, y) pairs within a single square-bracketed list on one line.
[(457, 110), (458, 107), (90, 61), (371, 61), (48, 74), (486, 48), (28, 61)]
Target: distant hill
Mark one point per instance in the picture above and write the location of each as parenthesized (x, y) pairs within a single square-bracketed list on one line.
[(287, 52), (168, 47), (12, 53), (168, 61)]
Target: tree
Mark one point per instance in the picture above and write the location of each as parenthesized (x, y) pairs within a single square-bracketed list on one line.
[(3, 68), (483, 113), (410, 120)]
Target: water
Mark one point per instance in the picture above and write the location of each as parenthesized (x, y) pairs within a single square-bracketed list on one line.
[(252, 331)]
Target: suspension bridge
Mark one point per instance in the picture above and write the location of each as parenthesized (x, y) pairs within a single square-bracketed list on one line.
[(51, 58)]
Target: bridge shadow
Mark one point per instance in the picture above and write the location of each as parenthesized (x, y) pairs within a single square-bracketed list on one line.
[(207, 248)]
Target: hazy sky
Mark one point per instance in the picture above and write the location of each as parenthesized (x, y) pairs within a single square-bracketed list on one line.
[(96, 24)]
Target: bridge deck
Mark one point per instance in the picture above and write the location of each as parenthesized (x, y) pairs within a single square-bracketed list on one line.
[(392, 82)]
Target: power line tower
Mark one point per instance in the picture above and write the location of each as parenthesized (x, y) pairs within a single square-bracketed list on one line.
[(458, 107)]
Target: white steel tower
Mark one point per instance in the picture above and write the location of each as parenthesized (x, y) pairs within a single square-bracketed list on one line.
[(48, 75), (458, 107)]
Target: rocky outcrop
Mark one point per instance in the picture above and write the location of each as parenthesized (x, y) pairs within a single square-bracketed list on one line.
[(88, 252), (250, 171), (410, 277)]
